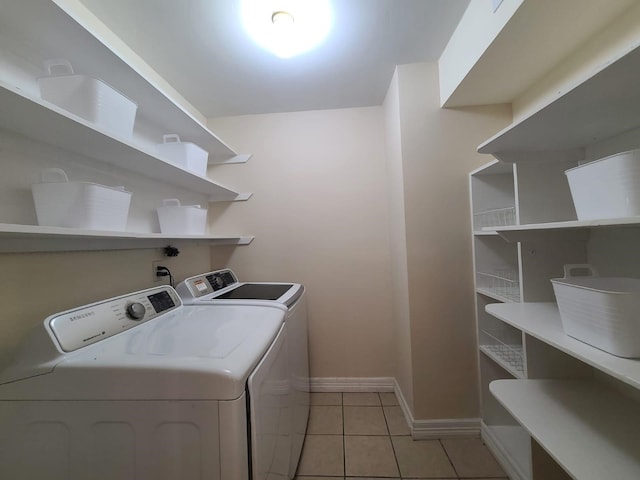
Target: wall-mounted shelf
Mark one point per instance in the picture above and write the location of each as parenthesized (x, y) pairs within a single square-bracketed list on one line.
[(542, 321), (599, 439), (601, 107), (29, 238), (43, 121), (34, 31), (516, 233)]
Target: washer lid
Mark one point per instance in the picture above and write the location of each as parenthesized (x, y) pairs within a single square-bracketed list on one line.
[(194, 353)]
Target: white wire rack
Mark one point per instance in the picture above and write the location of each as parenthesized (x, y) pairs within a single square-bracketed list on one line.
[(504, 347), (494, 218), (502, 283)]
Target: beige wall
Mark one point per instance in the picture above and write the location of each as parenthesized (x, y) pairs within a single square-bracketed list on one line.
[(438, 151), (397, 231), (36, 285), (320, 216)]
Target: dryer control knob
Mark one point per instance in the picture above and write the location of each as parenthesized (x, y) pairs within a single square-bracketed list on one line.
[(136, 311)]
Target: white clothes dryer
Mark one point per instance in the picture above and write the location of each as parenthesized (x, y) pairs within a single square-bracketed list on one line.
[(221, 287), (141, 387)]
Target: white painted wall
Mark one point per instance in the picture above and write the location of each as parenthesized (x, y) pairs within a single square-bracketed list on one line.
[(438, 150), (398, 235), (320, 216)]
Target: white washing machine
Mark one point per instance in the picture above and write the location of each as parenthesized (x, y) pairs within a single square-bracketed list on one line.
[(221, 287), (142, 387)]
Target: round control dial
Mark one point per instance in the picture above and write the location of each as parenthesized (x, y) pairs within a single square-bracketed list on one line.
[(136, 311)]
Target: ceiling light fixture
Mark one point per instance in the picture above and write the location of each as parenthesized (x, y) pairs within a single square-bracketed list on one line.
[(281, 18), (287, 27)]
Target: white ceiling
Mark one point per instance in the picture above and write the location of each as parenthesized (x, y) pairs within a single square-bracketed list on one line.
[(200, 47)]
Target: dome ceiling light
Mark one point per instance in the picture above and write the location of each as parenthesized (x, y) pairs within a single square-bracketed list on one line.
[(287, 28)]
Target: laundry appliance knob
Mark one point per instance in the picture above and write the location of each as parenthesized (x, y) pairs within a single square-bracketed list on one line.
[(136, 311)]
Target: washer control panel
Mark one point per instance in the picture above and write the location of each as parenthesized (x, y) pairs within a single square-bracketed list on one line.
[(210, 282), (86, 325)]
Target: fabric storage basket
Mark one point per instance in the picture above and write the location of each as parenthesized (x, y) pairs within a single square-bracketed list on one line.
[(185, 154), (600, 311), (607, 188), (177, 219), (88, 97), (61, 203)]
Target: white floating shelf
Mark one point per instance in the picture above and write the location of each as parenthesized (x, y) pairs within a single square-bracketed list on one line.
[(43, 121), (30, 238), (67, 29), (601, 107), (517, 233), (542, 321), (590, 430)]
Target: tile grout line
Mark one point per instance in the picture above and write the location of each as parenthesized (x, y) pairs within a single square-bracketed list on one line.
[(344, 448), (449, 458), (393, 448)]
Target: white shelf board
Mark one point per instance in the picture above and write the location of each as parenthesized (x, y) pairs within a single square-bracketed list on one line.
[(491, 294), (542, 321), (69, 30), (603, 106), (511, 445), (517, 233), (43, 121), (485, 233), (31, 238), (494, 167), (591, 431)]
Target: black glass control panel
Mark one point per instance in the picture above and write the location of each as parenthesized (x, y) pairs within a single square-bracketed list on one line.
[(219, 280), (161, 301), (257, 291)]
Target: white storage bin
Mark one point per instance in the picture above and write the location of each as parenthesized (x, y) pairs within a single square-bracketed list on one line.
[(607, 188), (176, 219), (600, 311), (84, 205), (185, 154), (88, 97)]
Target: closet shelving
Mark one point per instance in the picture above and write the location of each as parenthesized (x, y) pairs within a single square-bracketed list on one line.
[(571, 405), (32, 31), (28, 238)]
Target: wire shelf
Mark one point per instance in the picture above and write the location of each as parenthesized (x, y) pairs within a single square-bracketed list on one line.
[(499, 217), (505, 347), (502, 283)]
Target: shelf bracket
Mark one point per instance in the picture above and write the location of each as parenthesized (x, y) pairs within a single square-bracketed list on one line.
[(240, 197), (241, 158)]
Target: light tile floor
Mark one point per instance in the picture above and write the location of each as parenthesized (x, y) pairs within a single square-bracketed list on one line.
[(365, 436)]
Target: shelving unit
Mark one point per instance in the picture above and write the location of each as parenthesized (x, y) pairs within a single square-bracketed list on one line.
[(45, 122), (28, 238), (597, 109), (577, 406), (32, 31), (599, 439)]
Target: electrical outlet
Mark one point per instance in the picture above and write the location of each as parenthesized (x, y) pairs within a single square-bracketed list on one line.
[(154, 266)]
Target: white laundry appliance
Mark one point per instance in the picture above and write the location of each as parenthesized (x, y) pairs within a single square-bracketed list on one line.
[(142, 387), (221, 287)]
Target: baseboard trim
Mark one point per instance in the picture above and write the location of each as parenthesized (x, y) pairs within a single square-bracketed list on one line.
[(352, 384), (504, 458), (445, 427), (420, 429)]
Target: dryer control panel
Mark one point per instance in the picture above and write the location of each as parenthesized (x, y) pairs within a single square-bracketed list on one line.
[(86, 325)]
